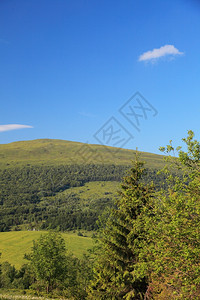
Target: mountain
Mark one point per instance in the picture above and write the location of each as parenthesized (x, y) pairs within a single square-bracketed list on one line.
[(59, 152), (48, 184)]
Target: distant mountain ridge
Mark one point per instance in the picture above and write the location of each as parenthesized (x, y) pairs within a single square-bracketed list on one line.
[(59, 152)]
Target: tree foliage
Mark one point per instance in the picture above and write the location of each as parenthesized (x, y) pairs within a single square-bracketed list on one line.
[(150, 246), (119, 273), (175, 265), (55, 269), (33, 196), (28, 196), (48, 259)]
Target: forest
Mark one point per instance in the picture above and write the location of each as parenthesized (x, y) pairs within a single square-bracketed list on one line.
[(33, 195), (146, 247)]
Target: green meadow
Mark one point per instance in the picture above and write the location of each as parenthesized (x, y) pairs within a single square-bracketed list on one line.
[(14, 244), (57, 152)]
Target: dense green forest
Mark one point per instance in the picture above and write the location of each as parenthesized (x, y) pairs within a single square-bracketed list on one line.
[(34, 176), (28, 195), (34, 196), (147, 245)]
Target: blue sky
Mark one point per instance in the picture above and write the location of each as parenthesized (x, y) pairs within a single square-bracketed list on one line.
[(67, 67)]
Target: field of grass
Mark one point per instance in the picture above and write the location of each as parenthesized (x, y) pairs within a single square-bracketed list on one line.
[(91, 192), (14, 244), (58, 152), (96, 189)]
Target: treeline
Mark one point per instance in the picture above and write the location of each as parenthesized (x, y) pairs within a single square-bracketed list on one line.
[(26, 185), (28, 196), (78, 273)]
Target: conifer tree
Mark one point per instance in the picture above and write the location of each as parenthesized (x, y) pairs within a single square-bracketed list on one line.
[(119, 273)]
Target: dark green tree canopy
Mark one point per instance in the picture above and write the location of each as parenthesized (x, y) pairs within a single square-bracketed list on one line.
[(119, 273)]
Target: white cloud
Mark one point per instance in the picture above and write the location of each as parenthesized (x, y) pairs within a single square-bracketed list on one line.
[(13, 127), (160, 52)]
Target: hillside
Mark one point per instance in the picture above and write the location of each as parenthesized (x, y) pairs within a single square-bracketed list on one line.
[(58, 152), (55, 184)]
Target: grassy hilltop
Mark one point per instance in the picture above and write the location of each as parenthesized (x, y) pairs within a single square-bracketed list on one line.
[(57, 152)]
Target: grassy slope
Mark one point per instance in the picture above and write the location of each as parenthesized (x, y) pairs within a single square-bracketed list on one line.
[(91, 191), (14, 244), (56, 152)]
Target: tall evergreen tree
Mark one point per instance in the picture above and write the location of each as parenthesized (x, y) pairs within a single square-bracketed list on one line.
[(119, 273)]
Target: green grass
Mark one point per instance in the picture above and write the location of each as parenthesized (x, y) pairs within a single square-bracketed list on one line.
[(14, 244), (96, 189), (57, 152), (91, 191)]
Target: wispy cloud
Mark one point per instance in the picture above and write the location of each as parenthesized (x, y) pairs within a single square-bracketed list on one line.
[(13, 127), (160, 52)]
